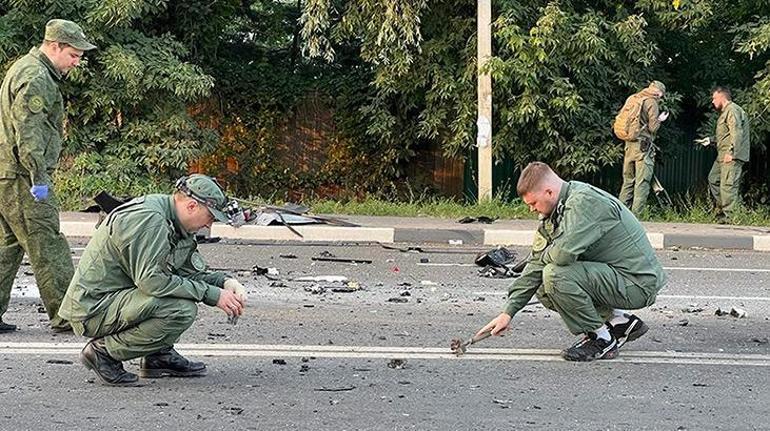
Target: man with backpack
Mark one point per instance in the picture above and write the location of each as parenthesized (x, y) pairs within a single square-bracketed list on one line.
[(636, 124)]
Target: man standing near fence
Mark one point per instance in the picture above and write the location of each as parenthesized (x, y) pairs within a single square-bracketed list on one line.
[(31, 132), (732, 142), (637, 124)]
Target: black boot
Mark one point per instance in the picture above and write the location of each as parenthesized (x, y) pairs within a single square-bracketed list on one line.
[(6, 327), (169, 363), (95, 357)]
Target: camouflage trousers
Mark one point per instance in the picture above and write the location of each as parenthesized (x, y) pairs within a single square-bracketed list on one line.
[(638, 169), (585, 293), (134, 324), (33, 227), (725, 185)]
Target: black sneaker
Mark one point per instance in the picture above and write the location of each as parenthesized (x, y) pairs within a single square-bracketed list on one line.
[(591, 348), (6, 327), (629, 331)]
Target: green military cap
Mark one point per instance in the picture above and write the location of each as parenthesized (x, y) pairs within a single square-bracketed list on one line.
[(207, 191), (63, 31), (658, 86)]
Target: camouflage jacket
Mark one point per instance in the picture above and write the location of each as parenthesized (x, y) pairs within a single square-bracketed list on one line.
[(141, 245), (587, 224), (32, 119)]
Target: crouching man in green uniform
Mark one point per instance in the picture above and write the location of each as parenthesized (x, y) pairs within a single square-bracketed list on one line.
[(590, 261), (140, 278)]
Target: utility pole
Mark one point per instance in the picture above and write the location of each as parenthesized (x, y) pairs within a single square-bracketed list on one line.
[(484, 121)]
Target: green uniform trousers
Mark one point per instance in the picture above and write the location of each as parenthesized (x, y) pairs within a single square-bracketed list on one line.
[(725, 185), (134, 324), (585, 293), (27, 225), (638, 169)]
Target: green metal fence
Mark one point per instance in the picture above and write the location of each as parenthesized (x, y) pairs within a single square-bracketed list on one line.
[(682, 167)]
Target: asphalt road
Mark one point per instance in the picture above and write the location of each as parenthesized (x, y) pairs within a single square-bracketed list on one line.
[(307, 356)]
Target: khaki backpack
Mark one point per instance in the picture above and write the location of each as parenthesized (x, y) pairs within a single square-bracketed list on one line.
[(628, 123)]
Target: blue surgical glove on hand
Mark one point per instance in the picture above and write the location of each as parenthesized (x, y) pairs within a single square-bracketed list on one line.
[(39, 191)]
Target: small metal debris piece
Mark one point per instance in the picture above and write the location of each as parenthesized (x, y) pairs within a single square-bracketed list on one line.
[(397, 364), (459, 347), (424, 260), (721, 312), (760, 340), (400, 300), (343, 389), (683, 322), (279, 361), (288, 256), (692, 309), (58, 362), (738, 312), (340, 260)]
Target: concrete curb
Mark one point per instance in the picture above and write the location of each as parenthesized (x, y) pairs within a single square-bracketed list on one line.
[(477, 237)]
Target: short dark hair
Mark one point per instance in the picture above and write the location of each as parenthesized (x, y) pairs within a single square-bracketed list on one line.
[(724, 90), (532, 176)]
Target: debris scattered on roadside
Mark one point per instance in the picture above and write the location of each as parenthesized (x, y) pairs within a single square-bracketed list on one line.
[(161, 404), (692, 309), (721, 312), (683, 322), (728, 255), (258, 270), (424, 260), (738, 312), (409, 249), (496, 263), (343, 389), (497, 272), (351, 286), (40, 309), (428, 283), (323, 279), (315, 289), (326, 253), (304, 359), (674, 248), (405, 293), (58, 362), (279, 361), (288, 256), (397, 364), (455, 242), (215, 334), (278, 284), (760, 340), (340, 260), (674, 258), (398, 300), (29, 273), (304, 368), (479, 299), (505, 404)]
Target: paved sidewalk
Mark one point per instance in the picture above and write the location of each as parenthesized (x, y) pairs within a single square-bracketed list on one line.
[(418, 230)]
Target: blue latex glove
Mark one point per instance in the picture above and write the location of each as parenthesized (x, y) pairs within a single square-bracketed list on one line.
[(39, 191)]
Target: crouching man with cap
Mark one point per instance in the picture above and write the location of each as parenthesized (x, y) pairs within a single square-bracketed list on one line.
[(140, 279), (591, 260)]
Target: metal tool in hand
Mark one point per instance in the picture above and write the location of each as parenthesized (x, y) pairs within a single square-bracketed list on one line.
[(459, 347)]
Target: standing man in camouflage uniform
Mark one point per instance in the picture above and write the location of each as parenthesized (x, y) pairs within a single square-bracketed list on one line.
[(31, 131), (639, 158), (590, 260), (733, 148), (141, 276)]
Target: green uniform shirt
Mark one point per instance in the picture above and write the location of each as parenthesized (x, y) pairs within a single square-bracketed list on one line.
[(649, 117), (32, 123), (141, 245), (587, 225), (732, 133)]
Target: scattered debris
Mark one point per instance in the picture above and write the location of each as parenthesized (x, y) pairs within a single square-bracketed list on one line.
[(326, 253), (398, 300), (428, 283), (279, 361), (258, 270), (343, 389), (692, 309), (287, 256), (340, 260), (760, 340), (496, 263), (304, 359), (397, 364), (278, 284), (29, 273), (455, 242), (497, 272), (58, 362), (40, 309), (304, 368), (323, 279), (215, 334), (720, 312), (405, 293), (738, 312), (315, 289), (403, 250), (479, 299), (505, 404), (233, 410), (683, 322), (161, 404), (424, 260)]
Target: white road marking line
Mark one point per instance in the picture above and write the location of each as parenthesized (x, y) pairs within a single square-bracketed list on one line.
[(691, 297), (427, 353), (668, 268)]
